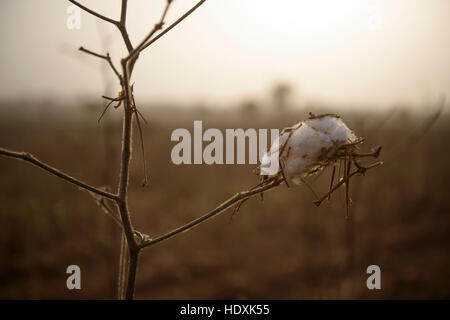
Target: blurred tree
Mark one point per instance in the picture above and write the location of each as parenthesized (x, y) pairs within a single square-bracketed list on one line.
[(281, 93), (249, 107)]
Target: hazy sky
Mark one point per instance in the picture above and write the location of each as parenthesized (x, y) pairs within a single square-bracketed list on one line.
[(341, 52)]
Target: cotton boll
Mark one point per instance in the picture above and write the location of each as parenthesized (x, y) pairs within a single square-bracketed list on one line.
[(324, 124), (334, 127), (271, 157), (303, 149), (306, 146), (307, 141)]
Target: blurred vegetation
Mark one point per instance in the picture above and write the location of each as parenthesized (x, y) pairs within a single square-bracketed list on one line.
[(282, 248), (281, 93)]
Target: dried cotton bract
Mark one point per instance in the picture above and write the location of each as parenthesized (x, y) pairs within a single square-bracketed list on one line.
[(307, 147), (310, 146)]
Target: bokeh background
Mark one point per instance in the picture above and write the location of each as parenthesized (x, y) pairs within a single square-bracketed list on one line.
[(382, 65)]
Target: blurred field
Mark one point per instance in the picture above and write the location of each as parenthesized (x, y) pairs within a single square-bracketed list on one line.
[(282, 248)]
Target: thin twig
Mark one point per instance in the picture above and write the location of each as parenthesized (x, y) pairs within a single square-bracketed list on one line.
[(101, 202), (173, 24), (332, 180), (418, 135), (141, 136), (158, 26), (122, 26), (237, 198), (148, 41), (309, 187), (347, 186), (106, 57), (33, 160), (104, 110), (360, 170), (96, 14), (104, 205)]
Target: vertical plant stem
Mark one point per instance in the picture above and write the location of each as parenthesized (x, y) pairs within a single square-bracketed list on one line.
[(131, 279), (124, 177), (122, 201), (122, 266), (128, 264)]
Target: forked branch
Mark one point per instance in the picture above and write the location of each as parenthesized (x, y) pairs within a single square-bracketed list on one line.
[(243, 196), (106, 57), (360, 170), (127, 278), (184, 16), (147, 41)]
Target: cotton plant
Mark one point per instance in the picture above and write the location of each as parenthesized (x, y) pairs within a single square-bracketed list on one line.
[(303, 149)]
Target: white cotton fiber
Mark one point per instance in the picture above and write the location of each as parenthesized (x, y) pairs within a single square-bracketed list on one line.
[(306, 145)]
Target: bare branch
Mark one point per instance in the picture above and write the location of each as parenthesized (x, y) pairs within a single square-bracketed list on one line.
[(238, 199), (360, 170), (122, 25), (133, 55), (119, 24), (30, 158), (98, 15), (416, 136), (106, 57), (158, 26), (234, 200), (173, 24), (123, 12), (103, 204), (429, 123), (104, 110), (145, 181), (145, 43)]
